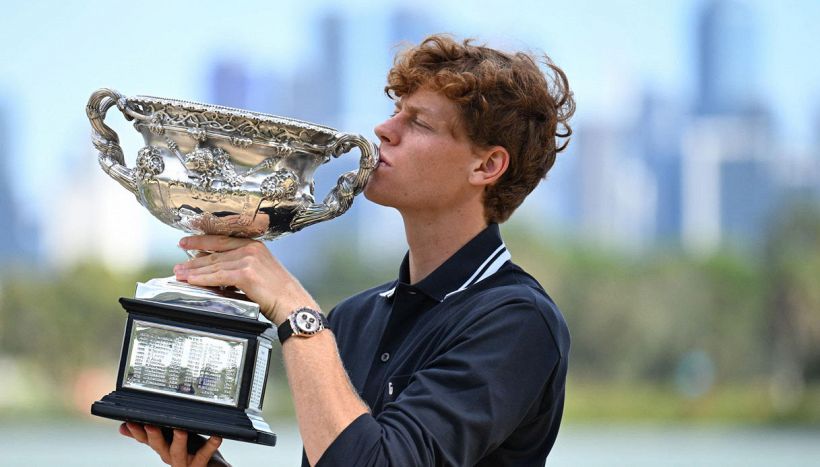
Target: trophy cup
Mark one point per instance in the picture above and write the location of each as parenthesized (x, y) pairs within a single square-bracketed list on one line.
[(197, 358)]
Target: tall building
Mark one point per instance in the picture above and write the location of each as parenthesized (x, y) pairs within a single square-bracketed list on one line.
[(728, 182), (658, 134), (728, 176), (19, 236), (8, 209), (618, 193), (316, 87), (728, 58)]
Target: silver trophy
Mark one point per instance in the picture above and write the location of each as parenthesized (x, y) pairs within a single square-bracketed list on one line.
[(193, 357)]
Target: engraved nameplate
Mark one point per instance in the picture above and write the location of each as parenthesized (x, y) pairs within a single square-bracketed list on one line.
[(185, 363)]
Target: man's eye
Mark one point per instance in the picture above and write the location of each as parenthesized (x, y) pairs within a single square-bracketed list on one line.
[(422, 124)]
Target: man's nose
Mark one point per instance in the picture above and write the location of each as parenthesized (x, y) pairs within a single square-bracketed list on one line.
[(386, 133)]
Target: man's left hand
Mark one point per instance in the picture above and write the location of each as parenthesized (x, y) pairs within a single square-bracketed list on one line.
[(177, 454)]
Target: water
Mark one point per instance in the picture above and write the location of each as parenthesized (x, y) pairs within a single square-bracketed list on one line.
[(92, 444), (97, 443), (690, 446)]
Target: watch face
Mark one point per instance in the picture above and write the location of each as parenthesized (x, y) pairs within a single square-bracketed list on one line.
[(307, 322)]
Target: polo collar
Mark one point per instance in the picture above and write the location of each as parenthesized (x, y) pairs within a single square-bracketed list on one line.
[(479, 259)]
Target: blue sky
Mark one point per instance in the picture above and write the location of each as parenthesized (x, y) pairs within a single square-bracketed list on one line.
[(54, 54)]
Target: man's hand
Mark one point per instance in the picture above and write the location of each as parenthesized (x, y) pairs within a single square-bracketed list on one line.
[(177, 453), (249, 266)]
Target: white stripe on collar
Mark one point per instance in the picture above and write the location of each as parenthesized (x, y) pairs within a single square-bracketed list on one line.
[(489, 267)]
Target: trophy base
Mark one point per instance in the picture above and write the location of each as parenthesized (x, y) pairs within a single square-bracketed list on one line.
[(227, 422), (194, 369)]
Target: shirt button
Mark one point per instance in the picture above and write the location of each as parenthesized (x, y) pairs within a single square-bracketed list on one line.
[(385, 357)]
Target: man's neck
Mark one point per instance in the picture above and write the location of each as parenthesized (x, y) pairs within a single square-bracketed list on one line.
[(433, 239)]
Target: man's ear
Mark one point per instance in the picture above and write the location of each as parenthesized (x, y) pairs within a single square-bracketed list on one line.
[(492, 164)]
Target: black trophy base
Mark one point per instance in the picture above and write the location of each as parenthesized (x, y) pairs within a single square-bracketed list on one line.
[(227, 422)]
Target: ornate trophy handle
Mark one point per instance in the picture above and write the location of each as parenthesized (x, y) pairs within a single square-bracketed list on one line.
[(347, 187), (106, 140)]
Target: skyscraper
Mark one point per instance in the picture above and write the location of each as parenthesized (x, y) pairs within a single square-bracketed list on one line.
[(618, 194), (19, 235), (658, 133), (727, 176), (728, 58), (317, 84), (8, 210)]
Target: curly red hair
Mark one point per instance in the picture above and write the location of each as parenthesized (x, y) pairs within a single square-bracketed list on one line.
[(505, 99)]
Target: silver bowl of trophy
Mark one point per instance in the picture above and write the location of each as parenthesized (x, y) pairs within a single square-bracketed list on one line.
[(197, 358)]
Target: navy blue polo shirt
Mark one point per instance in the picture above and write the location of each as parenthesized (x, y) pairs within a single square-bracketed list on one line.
[(466, 367)]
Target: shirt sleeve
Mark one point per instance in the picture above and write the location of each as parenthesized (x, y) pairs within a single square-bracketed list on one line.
[(465, 402)]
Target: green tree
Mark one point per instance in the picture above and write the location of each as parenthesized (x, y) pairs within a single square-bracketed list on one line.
[(793, 274)]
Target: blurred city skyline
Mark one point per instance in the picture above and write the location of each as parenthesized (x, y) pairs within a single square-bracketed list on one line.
[(694, 117)]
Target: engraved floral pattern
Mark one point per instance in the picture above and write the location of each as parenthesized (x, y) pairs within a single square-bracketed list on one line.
[(156, 127), (280, 186), (212, 164), (149, 163), (241, 126)]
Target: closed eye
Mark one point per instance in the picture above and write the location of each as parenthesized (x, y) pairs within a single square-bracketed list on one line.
[(422, 124)]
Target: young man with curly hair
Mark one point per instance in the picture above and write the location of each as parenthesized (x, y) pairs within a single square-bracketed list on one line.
[(462, 360)]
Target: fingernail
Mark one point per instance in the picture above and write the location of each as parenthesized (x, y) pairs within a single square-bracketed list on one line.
[(183, 242)]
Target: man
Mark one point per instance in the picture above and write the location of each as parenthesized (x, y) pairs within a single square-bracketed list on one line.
[(462, 360)]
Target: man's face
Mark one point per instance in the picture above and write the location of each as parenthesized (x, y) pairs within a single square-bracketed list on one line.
[(426, 157)]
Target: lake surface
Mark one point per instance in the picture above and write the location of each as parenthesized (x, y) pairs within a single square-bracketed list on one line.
[(97, 443)]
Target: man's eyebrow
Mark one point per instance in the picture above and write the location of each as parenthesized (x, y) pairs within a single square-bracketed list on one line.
[(420, 110), (414, 109)]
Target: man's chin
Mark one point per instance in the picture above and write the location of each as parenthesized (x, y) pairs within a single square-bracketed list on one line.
[(374, 196)]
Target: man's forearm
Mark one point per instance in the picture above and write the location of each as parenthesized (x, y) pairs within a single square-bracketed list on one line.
[(323, 396)]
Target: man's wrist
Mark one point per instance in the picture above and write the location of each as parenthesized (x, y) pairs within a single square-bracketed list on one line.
[(279, 313)]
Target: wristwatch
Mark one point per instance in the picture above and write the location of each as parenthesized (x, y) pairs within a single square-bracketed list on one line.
[(304, 322)]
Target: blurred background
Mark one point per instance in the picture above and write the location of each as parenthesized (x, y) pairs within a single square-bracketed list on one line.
[(679, 233)]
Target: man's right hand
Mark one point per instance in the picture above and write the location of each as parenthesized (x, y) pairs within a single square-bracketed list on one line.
[(177, 453)]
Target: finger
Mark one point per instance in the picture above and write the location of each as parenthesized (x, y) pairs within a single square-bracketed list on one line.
[(200, 260), (137, 431), (212, 242), (218, 277), (228, 261), (179, 448), (125, 431), (184, 274), (211, 259), (204, 454), (158, 443)]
